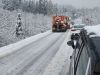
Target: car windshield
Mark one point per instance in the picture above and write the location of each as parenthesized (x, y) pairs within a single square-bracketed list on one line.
[(79, 26)]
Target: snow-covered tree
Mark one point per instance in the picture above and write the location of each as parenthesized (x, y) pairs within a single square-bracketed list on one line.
[(43, 6), (11, 4)]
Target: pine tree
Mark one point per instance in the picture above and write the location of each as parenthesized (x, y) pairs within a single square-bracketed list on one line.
[(43, 7)]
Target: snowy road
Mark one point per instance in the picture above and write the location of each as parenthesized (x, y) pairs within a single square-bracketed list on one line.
[(33, 58)]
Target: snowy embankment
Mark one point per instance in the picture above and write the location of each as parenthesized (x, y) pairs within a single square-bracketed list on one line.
[(93, 29), (14, 47), (60, 63), (32, 24)]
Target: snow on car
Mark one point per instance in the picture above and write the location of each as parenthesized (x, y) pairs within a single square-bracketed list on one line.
[(93, 29)]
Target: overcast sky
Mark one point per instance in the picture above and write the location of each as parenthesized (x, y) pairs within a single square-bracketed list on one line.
[(79, 3)]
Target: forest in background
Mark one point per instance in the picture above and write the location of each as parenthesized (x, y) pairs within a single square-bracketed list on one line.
[(46, 7)]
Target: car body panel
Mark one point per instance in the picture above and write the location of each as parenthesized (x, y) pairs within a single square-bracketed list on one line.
[(86, 56)]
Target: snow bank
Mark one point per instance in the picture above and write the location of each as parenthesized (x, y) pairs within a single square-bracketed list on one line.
[(16, 46), (32, 24), (93, 29)]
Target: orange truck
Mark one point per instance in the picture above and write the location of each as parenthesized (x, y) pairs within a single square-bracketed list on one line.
[(60, 23)]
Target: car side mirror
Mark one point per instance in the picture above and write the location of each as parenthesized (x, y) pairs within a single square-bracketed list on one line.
[(72, 43), (69, 43)]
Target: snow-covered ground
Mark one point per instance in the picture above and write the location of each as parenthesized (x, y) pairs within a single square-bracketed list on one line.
[(32, 24), (60, 63), (48, 55), (16, 46)]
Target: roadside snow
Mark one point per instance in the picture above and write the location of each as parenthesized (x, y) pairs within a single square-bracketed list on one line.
[(32, 24), (61, 59), (16, 46), (93, 29)]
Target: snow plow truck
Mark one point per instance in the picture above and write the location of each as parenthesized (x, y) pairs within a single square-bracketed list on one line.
[(60, 23)]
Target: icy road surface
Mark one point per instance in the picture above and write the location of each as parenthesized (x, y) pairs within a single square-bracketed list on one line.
[(46, 56)]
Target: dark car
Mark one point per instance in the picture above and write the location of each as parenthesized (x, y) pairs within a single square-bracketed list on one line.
[(85, 59)]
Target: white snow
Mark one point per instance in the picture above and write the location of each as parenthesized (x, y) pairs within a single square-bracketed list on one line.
[(61, 59), (16, 46), (78, 21), (93, 29), (32, 24)]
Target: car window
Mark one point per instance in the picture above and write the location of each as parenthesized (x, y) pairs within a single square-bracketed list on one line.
[(78, 26)]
